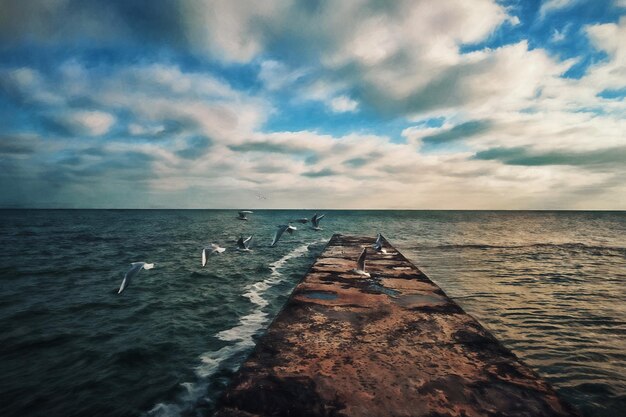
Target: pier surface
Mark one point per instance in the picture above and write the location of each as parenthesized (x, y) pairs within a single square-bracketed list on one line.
[(390, 345)]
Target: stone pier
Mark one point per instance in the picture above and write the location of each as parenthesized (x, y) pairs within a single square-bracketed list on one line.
[(392, 344)]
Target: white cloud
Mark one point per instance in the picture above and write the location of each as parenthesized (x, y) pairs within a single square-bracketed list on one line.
[(514, 20), (343, 104), (91, 123), (136, 129), (27, 86), (402, 58), (557, 35), (611, 73), (548, 6), (609, 37), (276, 75)]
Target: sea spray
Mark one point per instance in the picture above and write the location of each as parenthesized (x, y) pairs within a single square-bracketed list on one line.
[(242, 335)]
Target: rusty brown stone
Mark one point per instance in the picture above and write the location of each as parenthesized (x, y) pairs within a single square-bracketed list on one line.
[(390, 345)]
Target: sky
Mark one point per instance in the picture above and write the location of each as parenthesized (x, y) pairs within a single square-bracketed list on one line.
[(404, 104)]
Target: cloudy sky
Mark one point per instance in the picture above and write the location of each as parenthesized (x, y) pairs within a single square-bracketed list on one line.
[(424, 104)]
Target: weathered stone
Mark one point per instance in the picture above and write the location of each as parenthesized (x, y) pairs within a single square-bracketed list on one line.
[(390, 345)]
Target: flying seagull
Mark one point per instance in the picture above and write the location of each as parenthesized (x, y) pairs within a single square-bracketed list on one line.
[(135, 267), (243, 214), (378, 245), (316, 221), (213, 249), (360, 264), (280, 230), (244, 244)]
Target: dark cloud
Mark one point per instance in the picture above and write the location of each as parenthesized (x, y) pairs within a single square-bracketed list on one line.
[(527, 157), (459, 132), (269, 169), (78, 21), (269, 147), (74, 160), (312, 159), (166, 128), (363, 160), (56, 126), (93, 152), (18, 145), (326, 172), (196, 147), (356, 162)]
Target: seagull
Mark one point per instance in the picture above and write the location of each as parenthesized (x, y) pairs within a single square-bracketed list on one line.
[(242, 214), (135, 267), (280, 230), (360, 264), (378, 245), (316, 221), (302, 220), (244, 244), (214, 249)]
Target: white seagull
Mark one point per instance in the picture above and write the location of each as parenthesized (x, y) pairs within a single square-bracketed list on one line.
[(316, 221), (244, 244), (243, 214), (280, 230), (360, 264), (214, 249), (135, 267), (378, 245)]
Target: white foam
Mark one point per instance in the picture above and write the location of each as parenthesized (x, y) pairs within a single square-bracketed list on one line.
[(248, 326), (242, 335)]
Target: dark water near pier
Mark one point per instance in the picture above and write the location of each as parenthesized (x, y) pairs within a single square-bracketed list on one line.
[(550, 285)]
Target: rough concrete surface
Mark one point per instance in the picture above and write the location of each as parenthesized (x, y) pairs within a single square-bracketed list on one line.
[(390, 345)]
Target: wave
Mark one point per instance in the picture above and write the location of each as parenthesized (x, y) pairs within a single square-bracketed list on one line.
[(570, 246), (241, 335)]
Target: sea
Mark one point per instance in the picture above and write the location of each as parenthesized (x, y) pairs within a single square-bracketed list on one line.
[(550, 285)]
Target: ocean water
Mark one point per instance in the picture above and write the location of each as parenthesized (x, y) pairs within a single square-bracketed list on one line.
[(549, 285)]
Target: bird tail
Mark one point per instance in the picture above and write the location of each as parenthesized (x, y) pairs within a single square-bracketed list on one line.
[(148, 266)]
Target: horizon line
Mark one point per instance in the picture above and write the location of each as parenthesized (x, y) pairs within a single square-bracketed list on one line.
[(309, 209)]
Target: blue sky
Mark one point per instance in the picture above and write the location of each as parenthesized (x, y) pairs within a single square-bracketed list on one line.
[(480, 104)]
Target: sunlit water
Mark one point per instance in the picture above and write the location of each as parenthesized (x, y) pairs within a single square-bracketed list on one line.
[(550, 285)]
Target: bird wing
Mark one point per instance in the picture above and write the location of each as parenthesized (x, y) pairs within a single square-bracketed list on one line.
[(279, 233), (314, 220), (360, 263), (134, 270), (246, 242), (379, 239), (203, 256), (241, 244), (320, 217), (216, 249), (125, 282)]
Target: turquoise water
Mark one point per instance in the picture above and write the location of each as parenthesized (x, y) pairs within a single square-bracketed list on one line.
[(550, 285)]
